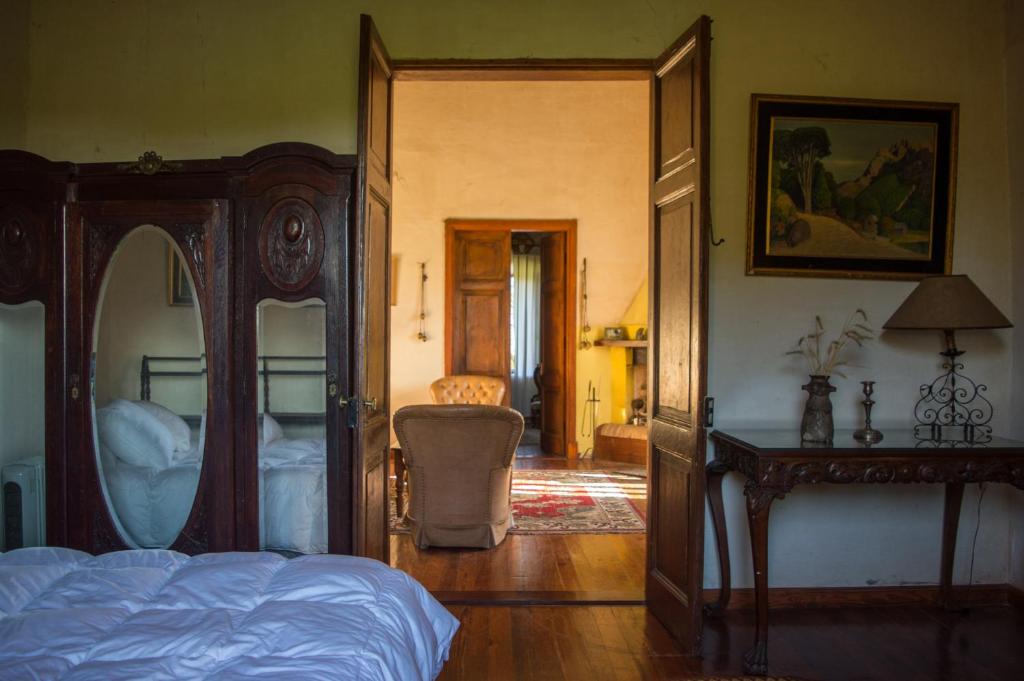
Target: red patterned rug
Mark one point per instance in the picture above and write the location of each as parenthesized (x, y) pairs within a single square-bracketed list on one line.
[(572, 502)]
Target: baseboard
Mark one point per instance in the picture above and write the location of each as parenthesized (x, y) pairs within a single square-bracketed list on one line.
[(1015, 595), (872, 596), (527, 598), (743, 599)]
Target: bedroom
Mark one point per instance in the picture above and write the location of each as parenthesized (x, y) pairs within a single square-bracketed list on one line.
[(160, 80)]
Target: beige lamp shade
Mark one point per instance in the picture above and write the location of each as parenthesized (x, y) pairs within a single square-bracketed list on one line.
[(947, 302)]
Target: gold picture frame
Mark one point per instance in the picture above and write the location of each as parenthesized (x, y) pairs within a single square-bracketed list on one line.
[(850, 188), (179, 291)]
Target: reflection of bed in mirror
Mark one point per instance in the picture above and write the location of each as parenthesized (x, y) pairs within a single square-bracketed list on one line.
[(151, 457)]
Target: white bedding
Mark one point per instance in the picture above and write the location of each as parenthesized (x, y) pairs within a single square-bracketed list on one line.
[(156, 614), (152, 504)]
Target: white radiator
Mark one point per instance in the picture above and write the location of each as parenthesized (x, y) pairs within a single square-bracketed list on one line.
[(24, 503)]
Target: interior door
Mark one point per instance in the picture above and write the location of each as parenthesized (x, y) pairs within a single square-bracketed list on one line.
[(680, 222), (369, 409), (478, 303), (553, 372)]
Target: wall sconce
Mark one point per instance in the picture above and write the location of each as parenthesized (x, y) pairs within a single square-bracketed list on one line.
[(421, 334)]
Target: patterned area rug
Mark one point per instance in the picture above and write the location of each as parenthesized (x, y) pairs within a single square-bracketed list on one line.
[(571, 502)]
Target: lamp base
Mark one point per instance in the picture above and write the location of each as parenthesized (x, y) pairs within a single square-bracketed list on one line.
[(952, 408)]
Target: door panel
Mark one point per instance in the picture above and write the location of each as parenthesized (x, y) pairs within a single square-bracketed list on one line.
[(678, 334), (478, 299), (553, 352), (32, 229), (370, 406), (200, 234), (673, 322)]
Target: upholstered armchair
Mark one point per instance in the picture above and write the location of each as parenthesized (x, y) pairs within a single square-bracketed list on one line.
[(459, 461), (467, 389)]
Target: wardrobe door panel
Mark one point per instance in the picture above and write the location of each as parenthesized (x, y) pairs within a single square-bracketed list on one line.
[(32, 460), (148, 388), (292, 361), (151, 455)]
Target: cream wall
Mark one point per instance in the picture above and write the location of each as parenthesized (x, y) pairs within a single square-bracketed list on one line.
[(135, 320), (14, 52), (205, 78), (514, 150), (1015, 154)]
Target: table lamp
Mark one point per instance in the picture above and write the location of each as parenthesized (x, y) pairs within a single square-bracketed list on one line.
[(952, 407)]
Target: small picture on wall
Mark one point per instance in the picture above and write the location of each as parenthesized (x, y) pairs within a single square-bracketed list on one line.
[(851, 188), (178, 290)]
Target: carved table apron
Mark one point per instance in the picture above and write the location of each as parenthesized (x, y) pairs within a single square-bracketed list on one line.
[(773, 462)]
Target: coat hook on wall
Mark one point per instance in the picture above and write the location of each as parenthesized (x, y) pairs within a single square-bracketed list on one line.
[(422, 333), (584, 321), (714, 241)]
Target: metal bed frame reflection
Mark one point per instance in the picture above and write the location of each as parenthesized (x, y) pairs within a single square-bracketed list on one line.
[(265, 371)]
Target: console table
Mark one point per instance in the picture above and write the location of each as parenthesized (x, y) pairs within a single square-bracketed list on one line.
[(775, 461)]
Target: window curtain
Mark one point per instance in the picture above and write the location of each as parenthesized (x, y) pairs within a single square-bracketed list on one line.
[(525, 328)]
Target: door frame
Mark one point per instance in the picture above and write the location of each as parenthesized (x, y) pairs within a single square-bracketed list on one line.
[(567, 227)]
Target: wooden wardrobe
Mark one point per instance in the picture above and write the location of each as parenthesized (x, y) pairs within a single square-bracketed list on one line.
[(280, 222)]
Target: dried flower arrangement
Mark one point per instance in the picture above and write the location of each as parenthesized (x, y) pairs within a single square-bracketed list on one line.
[(855, 330)]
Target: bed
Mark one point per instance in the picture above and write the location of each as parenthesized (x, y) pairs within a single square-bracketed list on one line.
[(158, 614), (151, 462)]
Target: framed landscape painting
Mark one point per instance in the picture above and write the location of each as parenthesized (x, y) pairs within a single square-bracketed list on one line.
[(851, 187)]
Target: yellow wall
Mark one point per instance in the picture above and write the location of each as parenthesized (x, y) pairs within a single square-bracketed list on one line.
[(109, 79), (622, 360), (517, 150)]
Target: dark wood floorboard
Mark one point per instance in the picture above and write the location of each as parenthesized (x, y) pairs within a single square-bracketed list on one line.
[(606, 567), (620, 643)]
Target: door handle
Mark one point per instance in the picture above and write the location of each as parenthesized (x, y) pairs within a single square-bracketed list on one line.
[(345, 402)]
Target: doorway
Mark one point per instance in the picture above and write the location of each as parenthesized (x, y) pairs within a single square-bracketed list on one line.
[(538, 149), (510, 313), (678, 221)]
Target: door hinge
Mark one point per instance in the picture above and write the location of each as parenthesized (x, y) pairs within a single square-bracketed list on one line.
[(709, 411)]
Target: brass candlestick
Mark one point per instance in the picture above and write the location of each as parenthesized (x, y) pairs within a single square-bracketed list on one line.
[(867, 434)]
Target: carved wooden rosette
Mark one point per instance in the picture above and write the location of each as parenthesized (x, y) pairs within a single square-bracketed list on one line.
[(291, 244), (21, 250)]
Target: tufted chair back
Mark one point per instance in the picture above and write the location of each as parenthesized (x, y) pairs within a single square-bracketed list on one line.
[(459, 458), (467, 390)]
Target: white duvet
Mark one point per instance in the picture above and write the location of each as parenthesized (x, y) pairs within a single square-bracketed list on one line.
[(153, 503), (154, 614)]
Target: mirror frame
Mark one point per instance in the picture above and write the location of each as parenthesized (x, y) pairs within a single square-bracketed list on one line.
[(167, 245)]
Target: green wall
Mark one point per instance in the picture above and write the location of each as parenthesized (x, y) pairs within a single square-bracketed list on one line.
[(14, 50), (197, 78), (110, 79)]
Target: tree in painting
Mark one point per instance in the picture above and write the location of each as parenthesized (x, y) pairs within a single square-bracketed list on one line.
[(801, 149), (851, 189)]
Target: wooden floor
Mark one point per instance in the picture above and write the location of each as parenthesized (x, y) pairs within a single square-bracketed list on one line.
[(623, 642), (567, 567), (596, 643)]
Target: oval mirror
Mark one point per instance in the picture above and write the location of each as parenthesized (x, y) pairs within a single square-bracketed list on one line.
[(148, 389)]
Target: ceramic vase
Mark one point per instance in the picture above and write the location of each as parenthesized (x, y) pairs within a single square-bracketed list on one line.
[(817, 425)]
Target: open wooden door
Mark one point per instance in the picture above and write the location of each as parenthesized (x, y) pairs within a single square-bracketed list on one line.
[(478, 303), (680, 223), (553, 354), (369, 409)]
